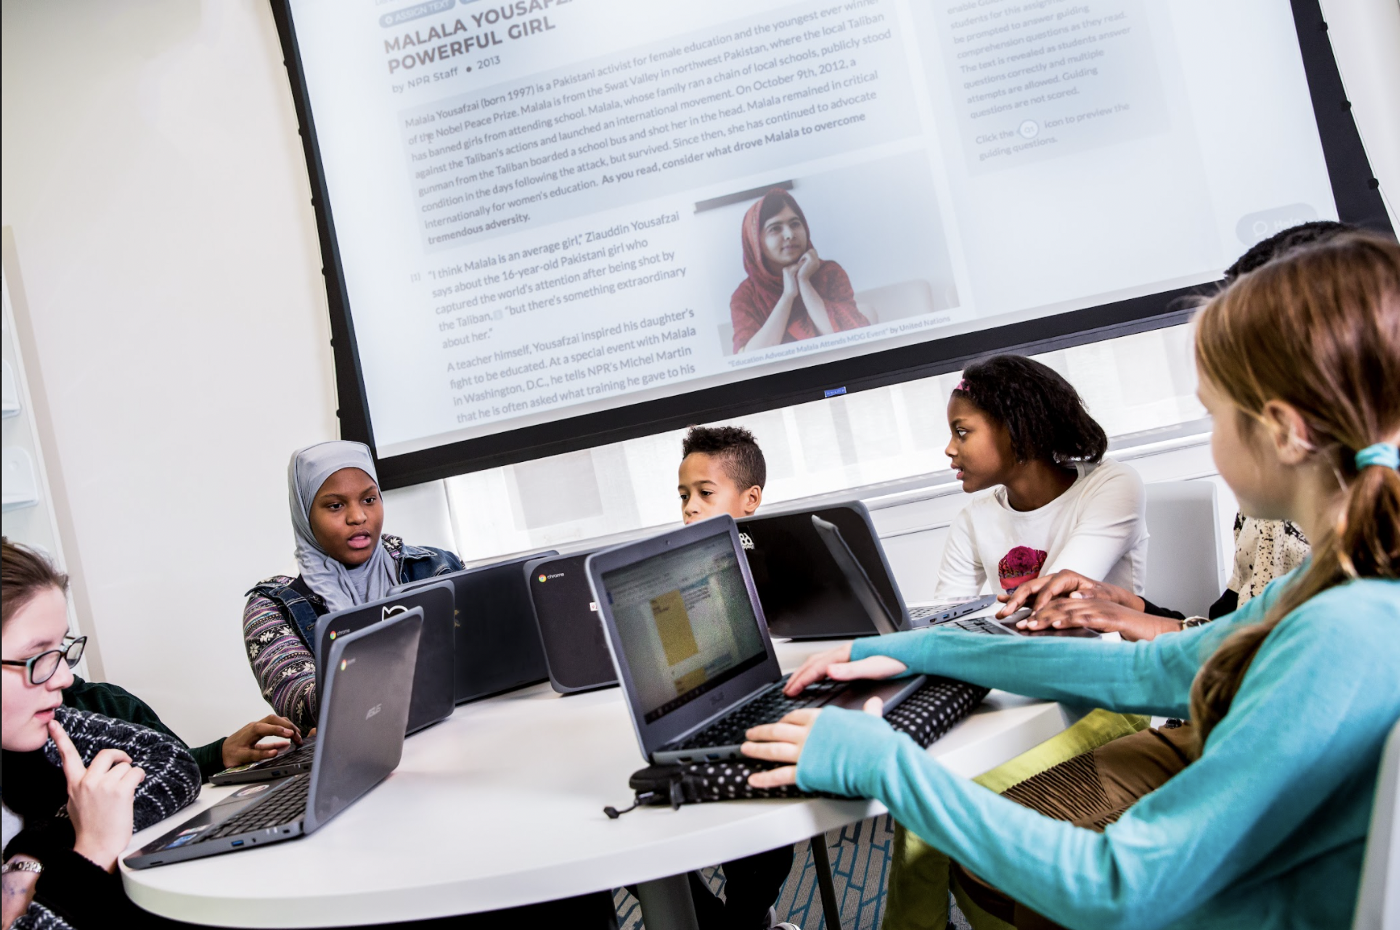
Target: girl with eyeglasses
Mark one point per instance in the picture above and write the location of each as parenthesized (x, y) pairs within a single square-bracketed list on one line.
[(76, 783)]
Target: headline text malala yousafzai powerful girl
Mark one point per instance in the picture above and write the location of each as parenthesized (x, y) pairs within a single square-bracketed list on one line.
[(790, 293)]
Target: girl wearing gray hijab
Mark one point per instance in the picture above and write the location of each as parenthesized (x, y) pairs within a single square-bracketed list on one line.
[(343, 558)]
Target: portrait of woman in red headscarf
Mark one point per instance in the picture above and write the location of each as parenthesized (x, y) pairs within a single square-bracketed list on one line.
[(790, 293)]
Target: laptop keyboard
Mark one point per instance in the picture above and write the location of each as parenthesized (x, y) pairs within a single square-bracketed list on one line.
[(976, 625), (300, 755), (927, 610), (768, 707), (286, 805)]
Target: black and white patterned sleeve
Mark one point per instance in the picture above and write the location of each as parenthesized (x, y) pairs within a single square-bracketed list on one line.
[(172, 775), (38, 917)]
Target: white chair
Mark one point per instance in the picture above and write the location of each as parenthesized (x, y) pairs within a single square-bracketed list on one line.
[(1378, 899), (1183, 555)]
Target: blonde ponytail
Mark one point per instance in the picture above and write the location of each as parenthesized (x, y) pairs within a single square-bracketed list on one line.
[(1320, 330)]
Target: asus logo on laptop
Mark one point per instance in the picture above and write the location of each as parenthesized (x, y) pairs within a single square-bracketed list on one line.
[(373, 710)]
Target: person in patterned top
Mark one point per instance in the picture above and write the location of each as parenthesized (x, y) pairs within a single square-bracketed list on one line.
[(345, 559)]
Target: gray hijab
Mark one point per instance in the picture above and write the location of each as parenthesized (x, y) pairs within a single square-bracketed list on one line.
[(341, 585)]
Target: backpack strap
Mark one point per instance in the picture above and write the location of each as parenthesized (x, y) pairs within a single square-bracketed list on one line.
[(298, 603)]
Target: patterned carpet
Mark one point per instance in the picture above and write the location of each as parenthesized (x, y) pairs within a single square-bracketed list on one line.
[(860, 863)]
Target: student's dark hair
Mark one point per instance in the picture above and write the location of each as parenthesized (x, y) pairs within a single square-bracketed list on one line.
[(1319, 329), (773, 203), (23, 574), (1042, 412), (735, 447), (1281, 243)]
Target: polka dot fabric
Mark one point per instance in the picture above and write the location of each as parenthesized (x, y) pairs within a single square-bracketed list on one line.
[(924, 716)]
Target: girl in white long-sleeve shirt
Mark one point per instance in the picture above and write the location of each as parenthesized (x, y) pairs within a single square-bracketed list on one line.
[(1049, 501)]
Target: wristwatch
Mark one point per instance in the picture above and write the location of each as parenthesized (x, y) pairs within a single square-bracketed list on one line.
[(22, 865)]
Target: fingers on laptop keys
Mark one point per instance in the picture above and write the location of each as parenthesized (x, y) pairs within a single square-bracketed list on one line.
[(815, 669), (871, 667), (245, 745), (1037, 592), (783, 742), (779, 742)]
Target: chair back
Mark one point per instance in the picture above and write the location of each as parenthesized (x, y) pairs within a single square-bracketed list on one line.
[(1378, 898), (1183, 556)]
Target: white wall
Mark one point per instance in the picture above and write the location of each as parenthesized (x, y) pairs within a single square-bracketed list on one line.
[(154, 182)]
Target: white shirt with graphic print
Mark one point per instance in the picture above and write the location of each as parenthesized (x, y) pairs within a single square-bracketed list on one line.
[(1096, 527)]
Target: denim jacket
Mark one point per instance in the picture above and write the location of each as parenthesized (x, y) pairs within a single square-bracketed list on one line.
[(303, 606)]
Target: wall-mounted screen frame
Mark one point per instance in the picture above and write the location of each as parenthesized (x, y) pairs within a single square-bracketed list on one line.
[(1353, 187)]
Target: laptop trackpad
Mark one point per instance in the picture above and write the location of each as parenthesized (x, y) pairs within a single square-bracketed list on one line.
[(890, 690)]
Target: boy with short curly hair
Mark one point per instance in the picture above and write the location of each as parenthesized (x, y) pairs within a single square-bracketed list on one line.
[(722, 471)]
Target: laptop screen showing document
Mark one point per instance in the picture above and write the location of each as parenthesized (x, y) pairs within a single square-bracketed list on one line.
[(687, 624)]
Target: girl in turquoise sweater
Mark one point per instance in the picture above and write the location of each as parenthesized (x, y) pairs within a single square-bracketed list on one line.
[(1293, 695)]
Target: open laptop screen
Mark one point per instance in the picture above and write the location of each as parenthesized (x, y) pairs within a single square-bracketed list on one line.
[(685, 622)]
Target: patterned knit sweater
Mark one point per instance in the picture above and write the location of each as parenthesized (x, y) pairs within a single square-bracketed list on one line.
[(281, 660), (73, 892)]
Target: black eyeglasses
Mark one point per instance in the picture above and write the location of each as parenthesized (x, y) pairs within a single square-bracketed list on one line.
[(39, 669)]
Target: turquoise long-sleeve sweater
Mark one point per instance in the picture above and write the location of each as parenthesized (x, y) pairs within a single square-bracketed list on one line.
[(1267, 829)]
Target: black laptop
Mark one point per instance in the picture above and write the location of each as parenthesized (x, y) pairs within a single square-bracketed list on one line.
[(365, 698), (434, 676), (802, 590), (885, 615), (497, 641), (693, 653), (804, 593), (575, 647)]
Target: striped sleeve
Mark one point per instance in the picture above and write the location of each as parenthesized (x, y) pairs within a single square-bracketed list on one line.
[(281, 661)]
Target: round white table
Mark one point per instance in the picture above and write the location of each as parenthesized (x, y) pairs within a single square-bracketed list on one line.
[(502, 805)]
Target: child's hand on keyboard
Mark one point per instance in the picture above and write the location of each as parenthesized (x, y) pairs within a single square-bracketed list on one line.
[(243, 747), (836, 663), (1039, 593), (1104, 616), (783, 741)]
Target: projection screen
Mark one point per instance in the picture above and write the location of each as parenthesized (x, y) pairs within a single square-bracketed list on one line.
[(548, 224)]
